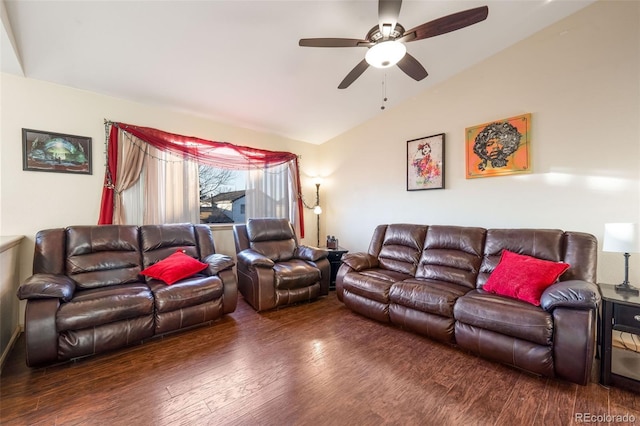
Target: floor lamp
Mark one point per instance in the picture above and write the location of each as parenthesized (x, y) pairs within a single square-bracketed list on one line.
[(622, 238), (317, 210)]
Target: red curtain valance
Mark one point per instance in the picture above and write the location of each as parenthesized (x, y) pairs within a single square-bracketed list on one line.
[(211, 153), (216, 154)]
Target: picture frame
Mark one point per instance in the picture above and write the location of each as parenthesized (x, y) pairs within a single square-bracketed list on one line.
[(44, 151), (498, 148), (425, 163)]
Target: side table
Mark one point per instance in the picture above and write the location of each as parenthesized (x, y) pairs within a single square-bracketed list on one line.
[(335, 259), (620, 332)]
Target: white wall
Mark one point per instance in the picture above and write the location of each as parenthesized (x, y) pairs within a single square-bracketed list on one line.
[(580, 80), (31, 201)]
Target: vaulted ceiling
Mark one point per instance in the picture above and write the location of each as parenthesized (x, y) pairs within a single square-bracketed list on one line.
[(238, 62)]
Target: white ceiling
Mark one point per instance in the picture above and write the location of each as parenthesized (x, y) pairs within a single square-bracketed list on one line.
[(238, 62)]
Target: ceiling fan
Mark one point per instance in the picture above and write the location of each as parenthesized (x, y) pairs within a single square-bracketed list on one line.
[(386, 40)]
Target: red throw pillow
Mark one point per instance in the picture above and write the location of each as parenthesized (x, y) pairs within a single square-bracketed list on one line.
[(174, 268), (523, 277)]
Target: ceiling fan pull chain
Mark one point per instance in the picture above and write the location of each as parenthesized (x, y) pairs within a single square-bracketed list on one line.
[(384, 91)]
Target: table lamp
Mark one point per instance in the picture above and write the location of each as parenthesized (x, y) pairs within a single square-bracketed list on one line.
[(622, 238)]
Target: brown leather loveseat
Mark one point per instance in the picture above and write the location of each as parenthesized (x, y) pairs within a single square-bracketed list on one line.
[(430, 279), (87, 294)]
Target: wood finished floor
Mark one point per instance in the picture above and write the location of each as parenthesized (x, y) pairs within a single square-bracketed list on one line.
[(311, 364)]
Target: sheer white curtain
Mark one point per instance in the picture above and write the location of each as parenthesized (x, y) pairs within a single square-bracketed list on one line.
[(272, 192), (166, 191)]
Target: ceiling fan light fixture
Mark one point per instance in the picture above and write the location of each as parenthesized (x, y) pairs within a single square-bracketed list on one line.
[(385, 54)]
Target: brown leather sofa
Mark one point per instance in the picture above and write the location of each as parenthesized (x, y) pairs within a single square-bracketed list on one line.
[(273, 270), (87, 294), (429, 279)]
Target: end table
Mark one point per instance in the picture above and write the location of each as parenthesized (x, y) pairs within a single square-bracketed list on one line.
[(335, 259), (620, 313)]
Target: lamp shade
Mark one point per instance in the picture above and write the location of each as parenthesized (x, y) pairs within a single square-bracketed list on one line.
[(621, 238), (385, 54), (317, 209)]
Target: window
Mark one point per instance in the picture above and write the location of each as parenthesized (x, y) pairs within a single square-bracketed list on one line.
[(222, 195)]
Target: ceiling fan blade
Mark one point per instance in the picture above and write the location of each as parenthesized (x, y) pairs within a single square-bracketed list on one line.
[(446, 24), (412, 67), (388, 12), (333, 42), (354, 74)]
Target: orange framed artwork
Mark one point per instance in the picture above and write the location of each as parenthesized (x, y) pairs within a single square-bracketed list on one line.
[(498, 148)]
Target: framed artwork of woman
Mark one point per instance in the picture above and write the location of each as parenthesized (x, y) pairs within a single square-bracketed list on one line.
[(425, 163)]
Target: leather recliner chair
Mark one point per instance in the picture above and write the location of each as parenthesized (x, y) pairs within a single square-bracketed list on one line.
[(273, 269)]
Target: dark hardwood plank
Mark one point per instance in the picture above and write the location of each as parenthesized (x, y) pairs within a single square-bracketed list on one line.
[(557, 403), (591, 401), (523, 405), (316, 363), (624, 403), (628, 400)]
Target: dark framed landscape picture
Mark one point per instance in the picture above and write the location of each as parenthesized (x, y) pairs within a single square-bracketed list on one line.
[(425, 163), (55, 152)]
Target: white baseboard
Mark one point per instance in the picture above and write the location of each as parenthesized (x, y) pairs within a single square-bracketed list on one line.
[(12, 342)]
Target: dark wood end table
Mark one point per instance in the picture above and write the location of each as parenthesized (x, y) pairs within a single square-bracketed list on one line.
[(620, 312), (335, 259)]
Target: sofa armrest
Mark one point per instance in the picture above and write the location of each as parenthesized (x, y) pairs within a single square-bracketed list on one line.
[(218, 262), (45, 286), (574, 343), (251, 257), (312, 254), (230, 295), (40, 331), (570, 294), (360, 261)]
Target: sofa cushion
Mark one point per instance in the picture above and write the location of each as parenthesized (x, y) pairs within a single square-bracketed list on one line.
[(453, 254), (434, 297), (295, 273), (541, 243), (158, 242), (367, 286), (185, 293), (98, 256), (277, 250), (175, 268), (94, 307), (523, 277), (401, 247), (504, 315), (274, 238)]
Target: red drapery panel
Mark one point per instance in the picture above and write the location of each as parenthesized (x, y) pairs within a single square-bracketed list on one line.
[(211, 153), (106, 205)]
